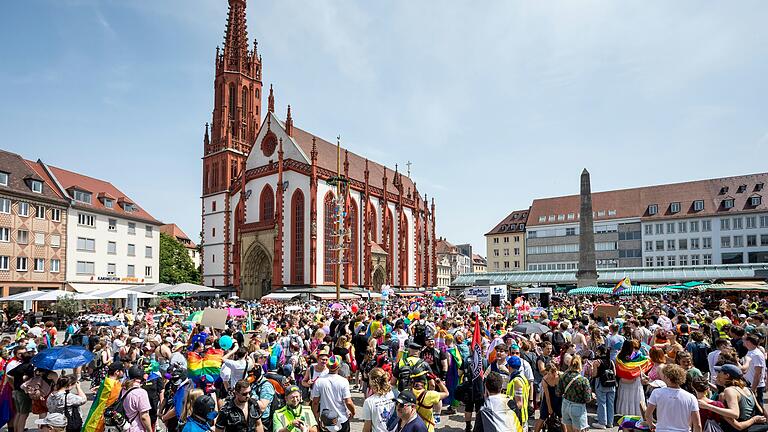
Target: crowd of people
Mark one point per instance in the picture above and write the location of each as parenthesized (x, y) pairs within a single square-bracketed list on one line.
[(675, 364)]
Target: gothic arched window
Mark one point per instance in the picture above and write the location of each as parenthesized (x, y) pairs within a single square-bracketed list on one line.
[(297, 237), (352, 252), (267, 204), (232, 102), (329, 241), (244, 98), (373, 232)]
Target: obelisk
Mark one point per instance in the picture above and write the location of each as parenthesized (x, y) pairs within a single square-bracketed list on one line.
[(587, 273)]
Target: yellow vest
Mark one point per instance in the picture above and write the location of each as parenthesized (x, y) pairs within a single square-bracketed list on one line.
[(522, 382)]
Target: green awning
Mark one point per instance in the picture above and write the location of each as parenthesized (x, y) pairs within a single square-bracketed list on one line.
[(634, 290)]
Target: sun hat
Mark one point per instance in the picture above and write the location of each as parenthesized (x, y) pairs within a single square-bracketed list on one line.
[(334, 362)]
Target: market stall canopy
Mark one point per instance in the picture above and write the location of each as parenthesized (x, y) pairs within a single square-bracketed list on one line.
[(26, 295), (48, 295), (332, 296), (737, 286), (120, 294), (151, 288), (634, 290), (187, 288), (281, 296), (91, 287)]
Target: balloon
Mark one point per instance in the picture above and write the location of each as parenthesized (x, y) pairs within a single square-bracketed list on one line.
[(225, 342), (354, 308)]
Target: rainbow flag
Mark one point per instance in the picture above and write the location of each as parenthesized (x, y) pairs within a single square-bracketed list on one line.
[(109, 392), (622, 285), (207, 364), (632, 369)]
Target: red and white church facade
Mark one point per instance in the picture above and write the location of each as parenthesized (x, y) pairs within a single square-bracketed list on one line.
[(267, 207)]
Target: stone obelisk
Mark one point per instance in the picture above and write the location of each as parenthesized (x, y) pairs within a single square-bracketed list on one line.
[(587, 273)]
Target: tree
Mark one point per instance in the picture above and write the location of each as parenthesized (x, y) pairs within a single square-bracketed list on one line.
[(67, 306), (175, 264)]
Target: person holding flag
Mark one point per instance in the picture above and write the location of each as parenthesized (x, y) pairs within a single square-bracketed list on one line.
[(108, 393), (475, 365), (622, 285)]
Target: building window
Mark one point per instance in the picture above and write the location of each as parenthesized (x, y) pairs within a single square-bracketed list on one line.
[(297, 230), (659, 245), (39, 212), (86, 244), (725, 242), (670, 227), (495, 240), (659, 261), (496, 265), (683, 260), (738, 223), (38, 265), (112, 225), (3, 179), (85, 268), (5, 235), (147, 251), (517, 264), (674, 207), (506, 252), (763, 239), (694, 226), (648, 229), (112, 248), (659, 229), (561, 217), (495, 252), (698, 205), (86, 220), (671, 261), (571, 216), (671, 244), (55, 215), (707, 259), (148, 231), (131, 271), (55, 265), (649, 261), (649, 246), (738, 241), (570, 231), (82, 196), (108, 203), (55, 240), (653, 209), (5, 205), (682, 244), (751, 222), (329, 254), (520, 227), (695, 243), (751, 240), (39, 239), (23, 208), (148, 271), (213, 232), (517, 251), (21, 264), (111, 269), (506, 239), (706, 225), (725, 224), (728, 203), (36, 186), (541, 219), (694, 260), (131, 228), (267, 204), (131, 249), (755, 200), (517, 239), (506, 264), (707, 242), (682, 227), (732, 258), (22, 237), (213, 206)]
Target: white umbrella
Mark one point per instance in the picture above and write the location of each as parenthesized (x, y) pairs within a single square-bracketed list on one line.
[(159, 288), (56, 294), (27, 295), (120, 294), (185, 288), (100, 318)]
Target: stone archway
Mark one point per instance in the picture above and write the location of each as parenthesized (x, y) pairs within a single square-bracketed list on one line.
[(256, 270), (379, 277)]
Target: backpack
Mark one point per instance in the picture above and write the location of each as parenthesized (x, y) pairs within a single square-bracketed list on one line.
[(558, 340), (278, 401), (699, 355), (114, 415), (406, 369), (74, 419), (420, 334), (608, 377)]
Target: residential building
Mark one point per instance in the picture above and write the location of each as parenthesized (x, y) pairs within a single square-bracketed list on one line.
[(268, 208), (33, 228), (479, 264), (505, 243), (173, 230), (112, 242), (459, 262), (443, 272)]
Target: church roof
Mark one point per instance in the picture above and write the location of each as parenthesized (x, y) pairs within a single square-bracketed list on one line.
[(326, 158)]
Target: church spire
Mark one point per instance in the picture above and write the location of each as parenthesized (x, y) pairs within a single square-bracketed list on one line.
[(236, 37), (289, 123), (271, 100), (206, 138)]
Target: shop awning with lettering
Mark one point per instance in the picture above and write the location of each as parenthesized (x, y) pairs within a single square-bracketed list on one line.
[(332, 296)]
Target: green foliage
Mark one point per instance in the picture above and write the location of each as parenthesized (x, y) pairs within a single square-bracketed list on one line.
[(67, 306), (175, 263), (14, 308)]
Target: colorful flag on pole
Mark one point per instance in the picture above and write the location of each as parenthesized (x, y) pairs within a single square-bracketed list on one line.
[(476, 348), (622, 285), (108, 393)]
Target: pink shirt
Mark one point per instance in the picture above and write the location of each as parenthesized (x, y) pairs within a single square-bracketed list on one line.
[(136, 403)]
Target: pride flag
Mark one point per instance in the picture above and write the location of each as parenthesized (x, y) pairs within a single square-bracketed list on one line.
[(622, 285), (632, 369), (109, 392), (207, 364)]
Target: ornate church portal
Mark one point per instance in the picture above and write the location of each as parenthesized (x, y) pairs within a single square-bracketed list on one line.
[(256, 273)]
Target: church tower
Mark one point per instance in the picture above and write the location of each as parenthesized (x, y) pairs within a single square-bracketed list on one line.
[(233, 129)]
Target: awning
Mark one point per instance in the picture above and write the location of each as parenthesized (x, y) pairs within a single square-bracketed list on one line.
[(281, 296), (90, 287), (332, 296), (367, 294), (409, 294)]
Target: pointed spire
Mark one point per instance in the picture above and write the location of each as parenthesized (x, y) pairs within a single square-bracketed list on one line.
[(366, 170), (289, 123), (346, 163), (271, 100), (236, 36), (206, 138), (313, 155)]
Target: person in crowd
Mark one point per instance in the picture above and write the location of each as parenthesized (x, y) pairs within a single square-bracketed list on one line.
[(240, 412), (755, 366), (136, 401), (576, 392), (406, 408), (294, 417), (674, 408), (202, 416), (551, 402), (107, 394), (740, 410), (379, 406), (66, 394), (605, 388), (630, 398), (497, 413), (428, 400), (332, 392), (53, 422)]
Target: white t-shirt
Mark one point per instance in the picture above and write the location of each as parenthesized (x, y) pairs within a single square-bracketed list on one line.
[(332, 390), (756, 359), (377, 409), (674, 407), (712, 359), (237, 370)]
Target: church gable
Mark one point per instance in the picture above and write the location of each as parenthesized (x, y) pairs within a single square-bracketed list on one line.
[(267, 143)]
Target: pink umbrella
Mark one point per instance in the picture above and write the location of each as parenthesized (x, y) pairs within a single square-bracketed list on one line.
[(235, 312), (337, 306)]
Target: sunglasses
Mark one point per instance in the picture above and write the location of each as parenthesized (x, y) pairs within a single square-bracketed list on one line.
[(245, 393)]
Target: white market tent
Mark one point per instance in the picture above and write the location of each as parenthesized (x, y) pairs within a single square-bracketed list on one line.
[(188, 288), (120, 294), (281, 296), (48, 295)]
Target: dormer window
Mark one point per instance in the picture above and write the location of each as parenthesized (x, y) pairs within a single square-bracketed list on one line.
[(674, 207), (129, 207), (755, 200), (3, 178), (698, 205), (723, 190), (758, 187), (728, 203), (741, 188), (108, 203), (653, 209), (82, 196), (36, 186)]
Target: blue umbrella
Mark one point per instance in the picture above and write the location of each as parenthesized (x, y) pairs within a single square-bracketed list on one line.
[(62, 357), (113, 323)]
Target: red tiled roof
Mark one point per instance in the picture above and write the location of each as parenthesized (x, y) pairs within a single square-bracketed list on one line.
[(70, 180), (174, 231), (50, 189), (511, 223), (376, 248), (443, 246), (634, 203), (326, 158)]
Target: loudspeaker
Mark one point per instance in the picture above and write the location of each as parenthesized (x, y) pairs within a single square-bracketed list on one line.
[(544, 300), (495, 300)]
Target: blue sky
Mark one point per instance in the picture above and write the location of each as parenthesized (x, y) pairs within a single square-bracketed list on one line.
[(495, 103)]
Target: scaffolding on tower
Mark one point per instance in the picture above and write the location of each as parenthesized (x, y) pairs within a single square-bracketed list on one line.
[(340, 233)]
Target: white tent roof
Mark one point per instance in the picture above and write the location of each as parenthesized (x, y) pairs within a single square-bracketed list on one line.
[(185, 288), (281, 296), (120, 294)]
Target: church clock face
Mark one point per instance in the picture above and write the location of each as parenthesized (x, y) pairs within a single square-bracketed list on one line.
[(268, 145)]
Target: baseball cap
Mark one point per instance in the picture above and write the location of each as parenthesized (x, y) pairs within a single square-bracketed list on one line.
[(169, 339), (414, 346), (137, 340), (731, 370), (53, 419), (329, 419), (406, 397), (292, 389), (204, 407)]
